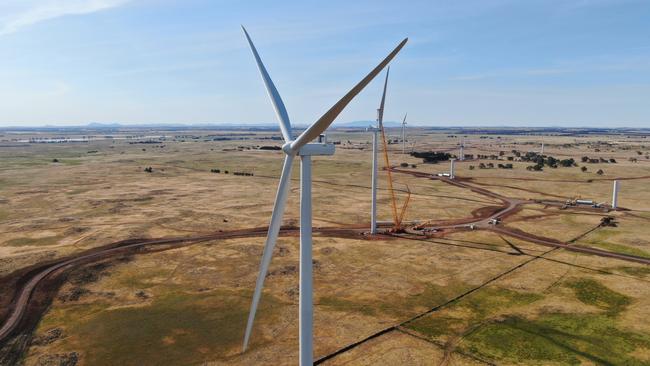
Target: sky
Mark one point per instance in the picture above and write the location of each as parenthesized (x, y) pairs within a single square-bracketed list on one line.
[(573, 63)]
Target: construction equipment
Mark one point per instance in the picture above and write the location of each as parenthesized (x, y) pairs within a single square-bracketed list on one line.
[(397, 219)]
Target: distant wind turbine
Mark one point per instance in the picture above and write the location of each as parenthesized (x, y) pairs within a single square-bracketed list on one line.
[(302, 147), (404, 134)]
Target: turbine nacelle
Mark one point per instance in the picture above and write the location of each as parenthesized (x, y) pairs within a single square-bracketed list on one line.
[(311, 149), (317, 149)]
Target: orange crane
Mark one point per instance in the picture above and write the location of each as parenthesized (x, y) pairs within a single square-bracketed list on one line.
[(397, 219)]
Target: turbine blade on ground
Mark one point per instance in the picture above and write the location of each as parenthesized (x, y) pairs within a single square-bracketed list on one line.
[(278, 105), (326, 119), (271, 238)]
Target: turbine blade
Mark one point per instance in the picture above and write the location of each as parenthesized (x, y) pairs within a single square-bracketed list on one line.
[(278, 105), (326, 119), (380, 116), (271, 238), (404, 120)]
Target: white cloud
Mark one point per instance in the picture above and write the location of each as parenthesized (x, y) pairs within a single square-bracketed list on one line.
[(18, 15)]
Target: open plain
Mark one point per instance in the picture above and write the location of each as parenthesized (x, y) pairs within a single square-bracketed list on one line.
[(141, 247)]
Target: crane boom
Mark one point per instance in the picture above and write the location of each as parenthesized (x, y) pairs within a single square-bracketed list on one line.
[(393, 200)]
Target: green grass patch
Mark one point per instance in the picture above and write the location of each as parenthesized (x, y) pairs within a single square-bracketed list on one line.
[(430, 297), (344, 305), (592, 292), (70, 162), (560, 338), (476, 307), (623, 249), (394, 306), (176, 328), (436, 326), (489, 300), (20, 242), (635, 271)]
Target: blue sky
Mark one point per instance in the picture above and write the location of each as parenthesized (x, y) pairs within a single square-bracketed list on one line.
[(468, 63)]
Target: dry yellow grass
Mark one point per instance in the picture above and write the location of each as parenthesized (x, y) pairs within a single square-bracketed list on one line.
[(189, 305)]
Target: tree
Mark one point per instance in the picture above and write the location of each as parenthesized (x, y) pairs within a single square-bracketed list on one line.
[(585, 159), (567, 162), (481, 166), (471, 167), (584, 169), (148, 169), (600, 172)]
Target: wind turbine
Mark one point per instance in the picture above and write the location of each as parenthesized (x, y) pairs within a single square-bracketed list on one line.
[(375, 131), (403, 134), (302, 147), (462, 153)]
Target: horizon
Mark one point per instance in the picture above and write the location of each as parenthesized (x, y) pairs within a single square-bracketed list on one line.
[(274, 126), (575, 64)]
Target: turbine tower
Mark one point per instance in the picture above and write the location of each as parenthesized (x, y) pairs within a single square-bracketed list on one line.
[(404, 134), (375, 131), (373, 207), (462, 154), (451, 168), (615, 195), (302, 147)]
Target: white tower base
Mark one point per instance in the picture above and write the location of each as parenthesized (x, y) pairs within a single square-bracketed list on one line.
[(615, 195), (451, 168)]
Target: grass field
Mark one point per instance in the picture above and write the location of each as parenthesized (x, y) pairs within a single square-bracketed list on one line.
[(458, 297)]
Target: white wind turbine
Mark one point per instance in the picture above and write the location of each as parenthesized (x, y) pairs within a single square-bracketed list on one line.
[(302, 147), (375, 131), (404, 134)]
